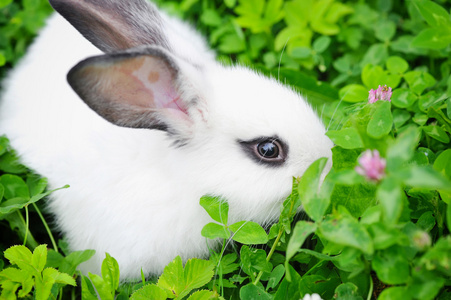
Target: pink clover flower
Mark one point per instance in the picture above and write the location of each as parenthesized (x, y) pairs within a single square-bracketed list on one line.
[(382, 93), (371, 165)]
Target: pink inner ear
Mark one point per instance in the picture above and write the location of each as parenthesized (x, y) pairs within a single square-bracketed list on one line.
[(147, 82)]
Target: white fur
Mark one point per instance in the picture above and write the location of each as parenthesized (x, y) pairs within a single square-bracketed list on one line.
[(133, 194)]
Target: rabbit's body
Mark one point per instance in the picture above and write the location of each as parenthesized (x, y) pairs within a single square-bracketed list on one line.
[(135, 190)]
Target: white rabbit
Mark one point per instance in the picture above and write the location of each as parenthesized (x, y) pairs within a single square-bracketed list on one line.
[(160, 125)]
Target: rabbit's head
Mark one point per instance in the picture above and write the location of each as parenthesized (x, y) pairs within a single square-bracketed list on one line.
[(251, 132)]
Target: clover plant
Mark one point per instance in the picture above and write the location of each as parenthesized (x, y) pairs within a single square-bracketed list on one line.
[(377, 226)]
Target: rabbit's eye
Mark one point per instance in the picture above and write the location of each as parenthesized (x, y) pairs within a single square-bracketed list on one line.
[(267, 150)]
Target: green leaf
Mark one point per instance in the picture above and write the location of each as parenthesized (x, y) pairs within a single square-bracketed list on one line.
[(347, 138), (338, 10), (289, 290), (436, 132), (247, 232), (397, 65), (251, 291), (180, 282), (420, 118), (4, 144), (4, 3), (71, 261), (289, 208), (376, 54), (14, 274), (381, 122), (172, 278), (344, 159), (275, 277), (214, 231), (346, 177), (150, 291), (402, 150), (254, 260), (225, 264), (353, 93), (343, 64), (430, 156), (371, 215), (418, 81), (356, 198), (345, 230), (270, 60), (102, 288), (426, 221), (10, 205), (49, 277), (38, 197), (39, 258), (216, 208), (385, 30), (321, 256), (403, 98), (426, 285), (394, 293), (438, 258), (10, 275), (373, 76), (251, 7), (230, 3), (434, 14), (14, 186), (325, 28), (390, 195), (273, 11), (423, 177), (300, 232), (87, 289), (9, 289), (63, 278), (391, 266), (36, 184), (20, 256), (385, 236), (301, 52), (308, 189), (257, 43), (253, 15), (43, 285), (202, 295), (110, 272), (321, 285), (197, 273), (232, 43), (442, 163), (211, 18), (347, 291), (321, 44), (10, 164)]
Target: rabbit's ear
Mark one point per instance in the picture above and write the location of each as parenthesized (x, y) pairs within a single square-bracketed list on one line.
[(113, 25), (139, 88)]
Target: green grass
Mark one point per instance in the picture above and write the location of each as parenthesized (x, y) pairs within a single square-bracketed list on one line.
[(385, 238)]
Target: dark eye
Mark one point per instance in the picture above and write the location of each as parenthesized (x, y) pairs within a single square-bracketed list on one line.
[(266, 150)]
